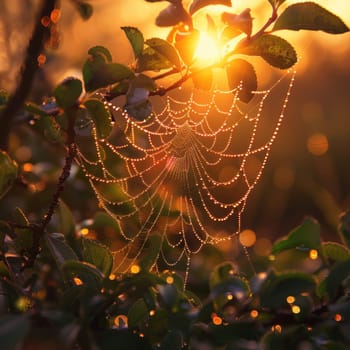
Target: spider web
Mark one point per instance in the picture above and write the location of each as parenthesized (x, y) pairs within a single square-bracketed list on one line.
[(181, 178)]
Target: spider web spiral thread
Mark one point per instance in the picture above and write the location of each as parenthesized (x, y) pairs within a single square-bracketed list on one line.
[(183, 175)]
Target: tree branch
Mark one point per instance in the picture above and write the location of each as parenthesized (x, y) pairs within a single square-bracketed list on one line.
[(29, 68)]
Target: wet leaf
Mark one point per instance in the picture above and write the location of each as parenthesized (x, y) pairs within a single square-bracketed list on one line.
[(101, 116), (273, 49), (172, 15), (307, 235), (199, 4), (242, 73), (310, 16), (163, 48), (135, 38), (68, 92), (98, 255), (8, 172)]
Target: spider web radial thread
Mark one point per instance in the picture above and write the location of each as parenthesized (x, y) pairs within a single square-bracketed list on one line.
[(184, 174)]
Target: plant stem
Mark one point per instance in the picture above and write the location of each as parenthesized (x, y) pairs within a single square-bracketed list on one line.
[(39, 230), (28, 70)]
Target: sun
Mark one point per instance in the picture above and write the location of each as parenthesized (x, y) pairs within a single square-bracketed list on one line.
[(208, 51)]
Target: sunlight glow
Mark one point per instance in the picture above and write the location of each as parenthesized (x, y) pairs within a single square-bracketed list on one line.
[(208, 51)]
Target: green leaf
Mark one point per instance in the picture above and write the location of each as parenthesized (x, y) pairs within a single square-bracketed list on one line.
[(137, 313), (98, 71), (344, 227), (241, 74), (135, 38), (199, 4), (8, 172), (85, 9), (277, 288), (172, 15), (310, 16), (152, 60), (203, 79), (87, 273), (335, 251), (166, 50), (152, 250), (307, 236), (273, 49), (97, 254), (337, 275), (101, 116), (68, 92), (67, 224), (24, 236), (60, 250), (100, 52), (13, 329)]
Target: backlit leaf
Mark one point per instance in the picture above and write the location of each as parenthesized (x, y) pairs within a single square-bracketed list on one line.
[(166, 50), (186, 43), (335, 251), (273, 49), (199, 4), (310, 16), (152, 60), (135, 38), (101, 117), (242, 22), (153, 246), (241, 73), (307, 235)]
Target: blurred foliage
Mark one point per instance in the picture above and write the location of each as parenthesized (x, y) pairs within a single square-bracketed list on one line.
[(57, 286)]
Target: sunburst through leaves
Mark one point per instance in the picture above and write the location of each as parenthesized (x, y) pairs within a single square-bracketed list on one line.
[(181, 178)]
